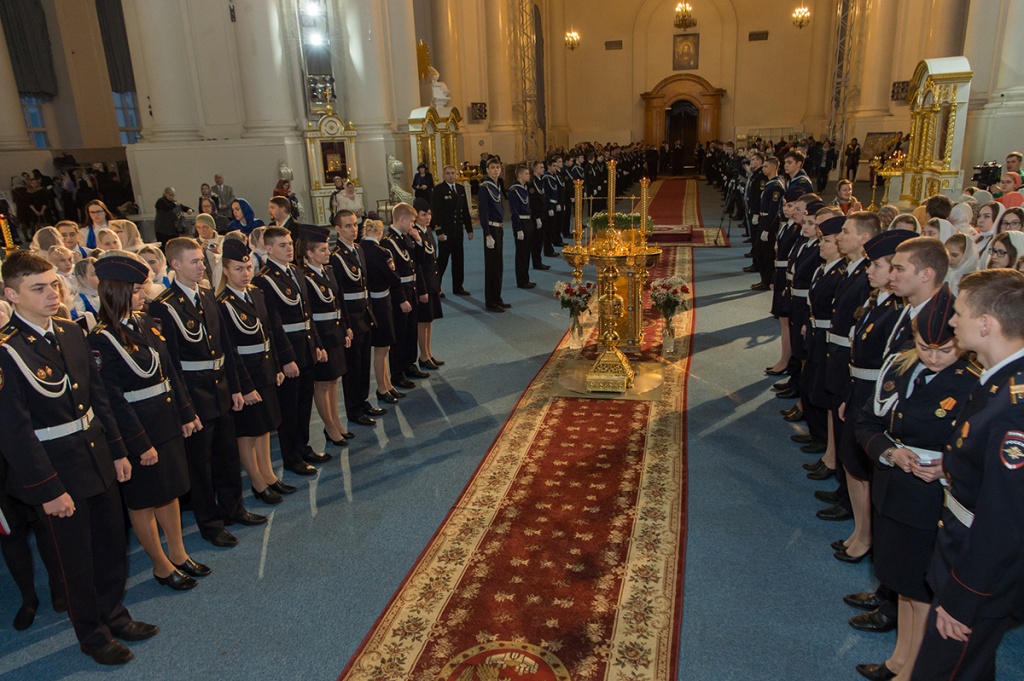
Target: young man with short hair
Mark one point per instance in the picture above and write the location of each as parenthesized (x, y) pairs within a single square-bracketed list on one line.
[(522, 226), (399, 240), (919, 268), (492, 216)]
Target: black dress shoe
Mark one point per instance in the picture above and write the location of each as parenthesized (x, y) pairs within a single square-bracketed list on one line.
[(748, 254), (791, 410), (494, 308), (875, 622), (781, 385), (377, 411), (843, 555), (135, 631), (194, 569), (875, 672), (113, 653), (281, 488), (828, 498), (542, 266), (26, 616), (802, 438), (795, 417), (462, 292), (550, 254), (396, 394), (268, 496), (823, 472), (317, 457), (814, 448), (813, 466), (864, 601), (249, 519), (403, 383), (177, 580), (527, 285), (223, 539), (787, 394), (337, 443), (302, 468), (387, 397), (364, 420), (59, 603), (506, 305), (838, 544), (836, 513), (427, 365), (750, 268), (759, 287), (413, 372), (436, 361)]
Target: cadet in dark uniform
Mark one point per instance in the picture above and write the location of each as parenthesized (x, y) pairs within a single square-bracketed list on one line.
[(254, 336), (789, 233), (153, 412), (332, 326), (197, 340), (793, 166), (492, 215), (450, 209), (428, 283), (283, 289), (349, 265), (903, 429), (804, 261), (384, 285), (522, 226), (768, 223), (404, 253), (538, 214), (977, 570), (64, 452), (756, 182), (551, 196)]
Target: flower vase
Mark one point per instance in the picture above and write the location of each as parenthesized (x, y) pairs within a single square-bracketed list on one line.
[(575, 331), (668, 336)]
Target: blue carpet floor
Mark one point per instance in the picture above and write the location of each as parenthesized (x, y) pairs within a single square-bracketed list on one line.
[(296, 597)]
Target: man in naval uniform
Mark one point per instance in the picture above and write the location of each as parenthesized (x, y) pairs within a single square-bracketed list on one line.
[(492, 215), (450, 211)]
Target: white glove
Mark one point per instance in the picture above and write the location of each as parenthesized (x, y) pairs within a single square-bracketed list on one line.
[(520, 236), (764, 236), (559, 208), (489, 242), (551, 213), (755, 219), (540, 223)]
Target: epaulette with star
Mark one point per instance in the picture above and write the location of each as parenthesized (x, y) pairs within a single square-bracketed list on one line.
[(164, 296), (7, 333)]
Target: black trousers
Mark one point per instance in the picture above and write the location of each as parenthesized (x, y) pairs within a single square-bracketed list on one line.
[(536, 242), (549, 230), (405, 350), (356, 381), (494, 267), (764, 254), (950, 660), (296, 397), (565, 219), (17, 552), (452, 247), (92, 556), (524, 250), (215, 473)]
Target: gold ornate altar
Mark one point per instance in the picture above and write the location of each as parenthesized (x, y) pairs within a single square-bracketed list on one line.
[(622, 258), (331, 152), (434, 137)]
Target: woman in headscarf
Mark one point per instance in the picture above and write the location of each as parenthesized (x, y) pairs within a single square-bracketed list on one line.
[(1011, 220), (963, 259), (1005, 250), (906, 221), (886, 214), (938, 228), (989, 216), (245, 218), (961, 217), (1009, 183)]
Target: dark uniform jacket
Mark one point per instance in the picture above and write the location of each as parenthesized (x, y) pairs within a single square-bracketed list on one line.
[(450, 211), (42, 387), (402, 254), (519, 207), (851, 293), (349, 267), (491, 211), (381, 274), (771, 206), (802, 181), (198, 336), (325, 305), (428, 278), (287, 301), (250, 326)]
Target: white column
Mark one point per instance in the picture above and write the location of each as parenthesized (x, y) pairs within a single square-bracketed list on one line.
[(404, 69), (171, 97), (818, 95), (558, 106), (877, 45), (263, 68), (500, 57), (13, 133), (444, 53), (946, 25)]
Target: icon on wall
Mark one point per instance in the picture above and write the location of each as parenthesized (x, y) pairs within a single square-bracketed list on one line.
[(686, 52)]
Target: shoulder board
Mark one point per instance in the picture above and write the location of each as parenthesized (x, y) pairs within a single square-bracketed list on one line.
[(263, 270), (222, 296), (8, 332), (100, 326), (973, 368), (252, 287), (164, 295)]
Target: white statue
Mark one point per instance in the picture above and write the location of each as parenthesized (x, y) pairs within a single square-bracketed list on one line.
[(284, 172), (396, 181), (440, 94)]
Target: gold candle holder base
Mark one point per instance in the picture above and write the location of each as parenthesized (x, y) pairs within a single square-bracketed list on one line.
[(611, 373)]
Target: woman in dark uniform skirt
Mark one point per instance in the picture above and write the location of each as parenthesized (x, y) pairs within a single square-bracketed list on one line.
[(153, 411), (253, 335), (917, 397), (324, 295), (428, 285), (381, 278)]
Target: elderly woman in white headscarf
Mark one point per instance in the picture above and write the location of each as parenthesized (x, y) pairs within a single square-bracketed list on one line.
[(961, 217), (963, 259)]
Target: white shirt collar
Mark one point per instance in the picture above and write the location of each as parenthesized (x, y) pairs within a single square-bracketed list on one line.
[(240, 294), (316, 268), (916, 309), (283, 266), (987, 373), (191, 293), (38, 329), (829, 265), (854, 265)]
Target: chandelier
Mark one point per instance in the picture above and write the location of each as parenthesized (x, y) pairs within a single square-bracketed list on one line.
[(684, 16), (572, 39), (801, 16)]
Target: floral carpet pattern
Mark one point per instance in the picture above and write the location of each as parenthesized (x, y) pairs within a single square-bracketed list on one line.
[(563, 558)]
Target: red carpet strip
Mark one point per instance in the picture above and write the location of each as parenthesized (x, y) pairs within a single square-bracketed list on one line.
[(675, 209), (563, 558)]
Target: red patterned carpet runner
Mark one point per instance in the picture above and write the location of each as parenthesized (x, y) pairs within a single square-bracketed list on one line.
[(675, 209), (563, 558)]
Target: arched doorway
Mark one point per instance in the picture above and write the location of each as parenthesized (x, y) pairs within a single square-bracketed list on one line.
[(684, 87), (681, 125)]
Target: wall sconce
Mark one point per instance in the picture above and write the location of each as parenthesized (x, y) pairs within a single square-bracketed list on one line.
[(684, 16), (572, 39), (801, 16)]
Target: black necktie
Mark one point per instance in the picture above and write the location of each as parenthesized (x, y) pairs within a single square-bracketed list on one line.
[(247, 298), (921, 378), (198, 302), (51, 339)]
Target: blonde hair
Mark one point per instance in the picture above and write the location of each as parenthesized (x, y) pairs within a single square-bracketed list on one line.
[(106, 233), (374, 228), (402, 210), (132, 237)]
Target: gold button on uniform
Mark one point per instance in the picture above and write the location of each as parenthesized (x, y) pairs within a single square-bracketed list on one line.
[(940, 524), (74, 386)]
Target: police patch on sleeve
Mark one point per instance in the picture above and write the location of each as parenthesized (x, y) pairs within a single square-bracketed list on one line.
[(98, 358), (1012, 451)]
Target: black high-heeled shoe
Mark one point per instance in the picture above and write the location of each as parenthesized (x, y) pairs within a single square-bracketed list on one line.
[(337, 443), (436, 361), (194, 569), (268, 495), (281, 487), (177, 580), (387, 397), (397, 394)]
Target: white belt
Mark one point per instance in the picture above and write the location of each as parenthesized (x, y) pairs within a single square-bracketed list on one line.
[(355, 296), (65, 429), (782, 263), (838, 340), (800, 292), (958, 510), (257, 349), (789, 276), (865, 374), (821, 323), (524, 217), (326, 316), (494, 224), (379, 294), (204, 365), (408, 280), (160, 388), (296, 327)]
